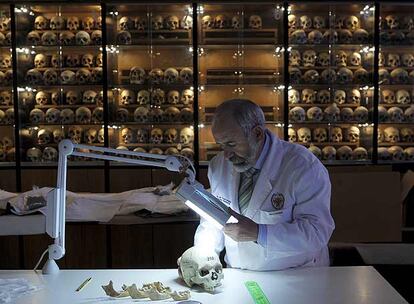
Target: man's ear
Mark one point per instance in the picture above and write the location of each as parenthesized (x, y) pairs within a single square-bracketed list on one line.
[(258, 132)]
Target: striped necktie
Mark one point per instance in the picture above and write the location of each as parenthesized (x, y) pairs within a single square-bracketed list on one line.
[(246, 188)]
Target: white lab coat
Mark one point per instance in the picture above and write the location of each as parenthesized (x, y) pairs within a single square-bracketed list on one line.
[(297, 233)]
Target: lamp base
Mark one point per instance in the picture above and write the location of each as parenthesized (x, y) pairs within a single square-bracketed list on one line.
[(50, 267)]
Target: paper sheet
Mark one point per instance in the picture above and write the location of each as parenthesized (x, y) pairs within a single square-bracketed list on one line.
[(11, 289)]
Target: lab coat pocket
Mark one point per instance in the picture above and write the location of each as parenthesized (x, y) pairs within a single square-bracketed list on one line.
[(270, 217)]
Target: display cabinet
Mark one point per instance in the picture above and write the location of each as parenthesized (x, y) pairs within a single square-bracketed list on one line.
[(240, 55), (59, 84), (150, 78), (7, 143), (331, 68), (396, 79)]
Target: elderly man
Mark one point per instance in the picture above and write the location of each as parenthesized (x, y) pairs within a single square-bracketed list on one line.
[(279, 193)]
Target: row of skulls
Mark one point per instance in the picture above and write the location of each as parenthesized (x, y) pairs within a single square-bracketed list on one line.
[(72, 23), (396, 114), (402, 97), (396, 76), (71, 97), (158, 136), (158, 22), (187, 152), (396, 153), (72, 60), (82, 115), (144, 114), (395, 22), (351, 23), (394, 135), (50, 38), (7, 117), (323, 135), (156, 97), (311, 96), (342, 36), (75, 133), (5, 39), (236, 22), (51, 76), (6, 78), (36, 155), (137, 75), (331, 113), (311, 58), (396, 37), (7, 150), (343, 153), (342, 76), (395, 60)]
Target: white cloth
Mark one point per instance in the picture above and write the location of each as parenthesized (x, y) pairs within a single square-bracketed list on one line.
[(298, 231), (11, 289)]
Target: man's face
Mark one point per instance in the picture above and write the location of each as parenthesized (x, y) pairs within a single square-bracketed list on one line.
[(242, 151)]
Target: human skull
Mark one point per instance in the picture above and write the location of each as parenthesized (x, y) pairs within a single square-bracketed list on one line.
[(332, 113), (170, 135), (34, 77), (341, 58), (172, 22), (124, 37), (328, 76), (391, 135), (308, 96), (355, 59), (171, 76), (297, 114), (96, 37), (37, 116), (187, 97), (88, 23), (96, 75), (352, 23), (67, 116), (186, 115), (52, 115), (82, 38), (127, 136), (311, 76), (221, 22), (360, 36), (292, 136), (75, 134), (173, 97), (172, 114), (9, 116), (315, 151), (409, 153), (5, 23), (40, 61), (186, 22), (34, 155), (186, 75), (403, 97), (186, 136), (383, 76), (319, 22), (339, 96), (345, 36), (6, 98), (336, 135), (293, 96), (101, 136), (50, 154), (49, 38), (42, 98), (89, 97), (3, 40), (87, 60), (50, 77), (72, 97), (383, 115), (143, 97), (72, 60), (347, 114), (315, 37), (141, 115), (157, 22), (396, 114), (353, 134), (44, 137), (393, 60), (399, 76), (156, 76), (305, 22), (8, 78), (408, 60), (255, 22), (137, 75), (122, 114), (98, 115), (236, 22), (40, 23), (127, 97), (324, 59), (304, 135), (337, 22), (125, 23), (157, 115), (156, 136), (330, 36), (383, 154), (309, 58), (68, 77), (361, 114), (324, 96), (354, 96), (397, 153), (207, 22), (99, 60), (298, 37), (344, 153), (66, 38), (91, 136), (329, 153), (157, 97), (293, 22), (295, 75), (314, 114), (172, 151), (295, 58), (83, 115), (392, 22), (344, 76), (83, 76), (409, 114), (72, 23), (359, 153), (142, 136), (407, 134), (33, 37)]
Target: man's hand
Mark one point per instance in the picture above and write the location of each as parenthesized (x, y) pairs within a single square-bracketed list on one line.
[(244, 231)]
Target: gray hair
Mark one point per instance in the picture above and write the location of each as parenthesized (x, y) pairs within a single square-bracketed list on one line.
[(245, 112)]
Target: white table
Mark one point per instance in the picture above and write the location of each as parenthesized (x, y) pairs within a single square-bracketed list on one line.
[(308, 285)]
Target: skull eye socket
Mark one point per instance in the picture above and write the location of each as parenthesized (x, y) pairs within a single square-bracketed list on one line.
[(218, 269), (204, 272)]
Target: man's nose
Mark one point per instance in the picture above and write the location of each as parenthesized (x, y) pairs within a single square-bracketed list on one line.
[(228, 154)]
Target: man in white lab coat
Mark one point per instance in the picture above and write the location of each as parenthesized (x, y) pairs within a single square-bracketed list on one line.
[(279, 193)]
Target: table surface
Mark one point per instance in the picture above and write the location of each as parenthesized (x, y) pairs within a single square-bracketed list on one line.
[(362, 284)]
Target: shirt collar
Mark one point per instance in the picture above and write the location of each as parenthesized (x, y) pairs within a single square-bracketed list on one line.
[(261, 159)]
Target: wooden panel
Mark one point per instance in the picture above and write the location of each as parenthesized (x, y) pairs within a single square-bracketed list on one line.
[(164, 177), (86, 246), (366, 207), (131, 246), (124, 179), (9, 252), (38, 177), (86, 180), (33, 247), (170, 241), (8, 180)]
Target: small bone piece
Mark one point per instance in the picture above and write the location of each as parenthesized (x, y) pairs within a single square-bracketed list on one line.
[(136, 293), (110, 291), (180, 295)]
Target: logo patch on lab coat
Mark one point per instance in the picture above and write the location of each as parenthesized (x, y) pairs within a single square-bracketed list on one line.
[(278, 200)]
